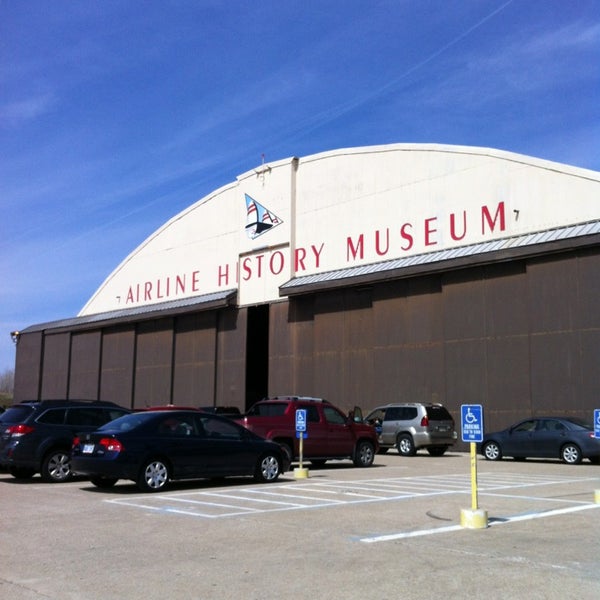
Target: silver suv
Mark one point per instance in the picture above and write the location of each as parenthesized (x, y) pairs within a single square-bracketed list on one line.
[(411, 426)]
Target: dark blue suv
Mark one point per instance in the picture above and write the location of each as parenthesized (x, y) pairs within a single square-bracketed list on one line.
[(36, 436)]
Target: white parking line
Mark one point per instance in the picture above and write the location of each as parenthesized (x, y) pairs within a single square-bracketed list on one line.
[(492, 523), (323, 494)]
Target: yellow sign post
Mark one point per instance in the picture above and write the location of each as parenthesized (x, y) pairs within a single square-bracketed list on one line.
[(472, 431)]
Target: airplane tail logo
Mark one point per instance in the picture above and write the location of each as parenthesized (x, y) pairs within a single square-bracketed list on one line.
[(259, 220)]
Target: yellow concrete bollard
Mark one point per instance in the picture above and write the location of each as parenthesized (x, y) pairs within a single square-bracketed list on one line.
[(473, 519)]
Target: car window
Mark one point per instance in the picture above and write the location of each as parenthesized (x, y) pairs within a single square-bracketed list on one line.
[(333, 416), (86, 416), (376, 415), (53, 416), (552, 425), (221, 429), (312, 414), (275, 409), (438, 413), (525, 426), (16, 414), (177, 426)]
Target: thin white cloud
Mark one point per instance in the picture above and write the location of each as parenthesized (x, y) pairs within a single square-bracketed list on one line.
[(14, 114)]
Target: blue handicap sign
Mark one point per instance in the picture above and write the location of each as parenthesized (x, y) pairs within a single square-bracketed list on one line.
[(597, 423), (301, 419), (472, 422)]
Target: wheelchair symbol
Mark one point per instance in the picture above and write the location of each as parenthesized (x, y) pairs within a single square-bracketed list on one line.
[(598, 419), (470, 418)]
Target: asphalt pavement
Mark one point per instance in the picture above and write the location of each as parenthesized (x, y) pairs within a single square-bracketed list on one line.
[(386, 532)]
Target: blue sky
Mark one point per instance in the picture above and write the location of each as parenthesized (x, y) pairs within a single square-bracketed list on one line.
[(117, 115)]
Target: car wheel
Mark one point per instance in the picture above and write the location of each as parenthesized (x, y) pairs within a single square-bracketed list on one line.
[(154, 476), (22, 472), (56, 467), (406, 446), (491, 451), (571, 454), (364, 454), (267, 468), (104, 482), (437, 450)]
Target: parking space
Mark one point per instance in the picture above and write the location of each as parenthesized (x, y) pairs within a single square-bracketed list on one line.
[(331, 493), (345, 533)]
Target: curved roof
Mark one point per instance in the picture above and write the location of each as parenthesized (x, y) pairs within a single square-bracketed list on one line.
[(284, 226)]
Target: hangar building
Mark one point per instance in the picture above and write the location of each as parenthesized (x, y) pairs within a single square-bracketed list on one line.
[(362, 275)]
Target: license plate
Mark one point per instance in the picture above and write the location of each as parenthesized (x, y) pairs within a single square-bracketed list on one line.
[(444, 428), (88, 448)]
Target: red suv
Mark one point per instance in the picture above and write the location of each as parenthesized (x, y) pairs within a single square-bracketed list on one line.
[(330, 434)]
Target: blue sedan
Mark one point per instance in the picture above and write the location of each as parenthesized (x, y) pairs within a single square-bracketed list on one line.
[(154, 447), (568, 439)]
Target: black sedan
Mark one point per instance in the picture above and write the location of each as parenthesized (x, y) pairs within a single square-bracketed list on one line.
[(568, 439), (155, 447)]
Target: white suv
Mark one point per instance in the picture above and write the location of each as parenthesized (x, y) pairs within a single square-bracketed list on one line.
[(411, 426)]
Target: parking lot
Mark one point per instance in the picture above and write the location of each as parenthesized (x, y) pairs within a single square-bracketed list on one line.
[(383, 532)]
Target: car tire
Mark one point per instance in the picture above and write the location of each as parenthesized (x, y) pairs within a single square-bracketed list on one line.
[(405, 445), (22, 472), (268, 468), (364, 454), (56, 466), (104, 482), (437, 450), (154, 476), (571, 454), (492, 451)]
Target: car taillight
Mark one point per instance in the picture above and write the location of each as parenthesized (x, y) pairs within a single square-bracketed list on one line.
[(19, 430), (111, 444), (425, 421)]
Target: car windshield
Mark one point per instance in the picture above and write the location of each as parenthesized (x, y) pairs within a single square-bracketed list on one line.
[(16, 414), (128, 422), (580, 424)]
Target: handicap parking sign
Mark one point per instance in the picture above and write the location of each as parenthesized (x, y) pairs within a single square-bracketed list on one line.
[(472, 422), (597, 423), (301, 419)]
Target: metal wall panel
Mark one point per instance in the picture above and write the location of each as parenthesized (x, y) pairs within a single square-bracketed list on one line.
[(84, 374), (28, 366), (153, 363), (118, 355), (231, 358), (55, 367), (194, 360)]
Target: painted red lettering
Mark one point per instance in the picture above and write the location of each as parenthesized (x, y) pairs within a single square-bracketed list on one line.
[(405, 235), (353, 251), (195, 281), (223, 274), (276, 262), (486, 217), (453, 233), (429, 231)]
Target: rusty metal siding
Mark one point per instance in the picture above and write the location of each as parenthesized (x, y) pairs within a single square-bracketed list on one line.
[(194, 360), (28, 366), (55, 368), (116, 375), (153, 363), (231, 358), (84, 373), (283, 354)]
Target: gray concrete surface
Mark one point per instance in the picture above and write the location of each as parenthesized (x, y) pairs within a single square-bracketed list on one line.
[(391, 531)]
